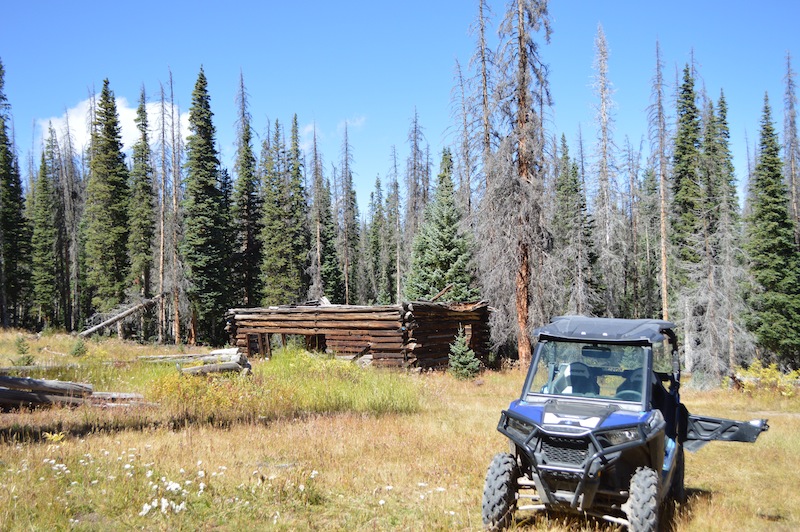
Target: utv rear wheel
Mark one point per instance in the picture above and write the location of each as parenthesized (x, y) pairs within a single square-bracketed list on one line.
[(642, 505), (500, 492)]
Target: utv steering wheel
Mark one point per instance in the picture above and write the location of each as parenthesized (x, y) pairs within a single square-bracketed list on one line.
[(628, 395)]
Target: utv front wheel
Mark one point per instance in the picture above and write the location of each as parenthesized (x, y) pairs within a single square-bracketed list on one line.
[(642, 505), (500, 492)]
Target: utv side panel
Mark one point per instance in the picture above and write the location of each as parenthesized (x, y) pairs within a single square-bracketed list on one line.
[(703, 429)]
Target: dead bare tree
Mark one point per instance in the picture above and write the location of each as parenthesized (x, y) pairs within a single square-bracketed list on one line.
[(511, 223), (659, 141)]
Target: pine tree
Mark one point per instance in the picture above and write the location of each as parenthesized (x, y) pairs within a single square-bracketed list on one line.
[(326, 277), (463, 363), (297, 217), (393, 239), (573, 247), (274, 245), (105, 218), (203, 245), (685, 177), (441, 254), (247, 210), (43, 243), (774, 258), (142, 211), (14, 227), (348, 228)]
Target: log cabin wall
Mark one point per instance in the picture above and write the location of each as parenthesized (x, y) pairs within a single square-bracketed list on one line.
[(412, 334)]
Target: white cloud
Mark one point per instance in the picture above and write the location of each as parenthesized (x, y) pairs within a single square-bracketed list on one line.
[(79, 120), (355, 122)]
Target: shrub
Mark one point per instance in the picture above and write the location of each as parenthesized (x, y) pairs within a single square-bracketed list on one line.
[(758, 377), (463, 363), (78, 349)]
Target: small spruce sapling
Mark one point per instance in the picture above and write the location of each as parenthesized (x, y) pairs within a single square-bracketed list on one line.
[(463, 363)]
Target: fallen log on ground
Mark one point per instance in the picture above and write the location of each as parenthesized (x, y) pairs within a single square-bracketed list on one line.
[(21, 399), (74, 389), (114, 319), (188, 359), (223, 367)]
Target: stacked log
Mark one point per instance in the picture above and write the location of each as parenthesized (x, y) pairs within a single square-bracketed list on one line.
[(433, 327), (411, 334)]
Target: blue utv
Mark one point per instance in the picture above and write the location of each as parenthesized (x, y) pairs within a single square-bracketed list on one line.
[(595, 431)]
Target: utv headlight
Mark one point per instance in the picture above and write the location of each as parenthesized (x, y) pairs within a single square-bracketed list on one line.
[(619, 436), (522, 428)]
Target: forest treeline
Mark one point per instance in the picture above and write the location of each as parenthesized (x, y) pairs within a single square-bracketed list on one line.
[(510, 212)]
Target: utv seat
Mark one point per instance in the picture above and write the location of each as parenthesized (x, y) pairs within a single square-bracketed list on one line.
[(575, 378), (633, 382)]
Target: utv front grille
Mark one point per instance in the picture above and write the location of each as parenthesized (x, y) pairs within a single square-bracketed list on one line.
[(565, 450)]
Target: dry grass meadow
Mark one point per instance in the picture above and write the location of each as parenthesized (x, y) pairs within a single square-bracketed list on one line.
[(312, 444)]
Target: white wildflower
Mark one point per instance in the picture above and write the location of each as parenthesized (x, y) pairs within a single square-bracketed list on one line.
[(145, 509), (314, 473)]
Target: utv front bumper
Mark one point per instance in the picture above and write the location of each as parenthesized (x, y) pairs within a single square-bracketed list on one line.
[(577, 468)]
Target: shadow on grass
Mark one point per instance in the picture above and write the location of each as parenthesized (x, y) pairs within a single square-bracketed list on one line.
[(674, 516), (37, 431)]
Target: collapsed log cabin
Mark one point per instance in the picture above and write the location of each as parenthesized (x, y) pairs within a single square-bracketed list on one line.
[(415, 334)]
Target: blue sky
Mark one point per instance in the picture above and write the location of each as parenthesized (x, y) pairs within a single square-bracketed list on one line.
[(372, 64)]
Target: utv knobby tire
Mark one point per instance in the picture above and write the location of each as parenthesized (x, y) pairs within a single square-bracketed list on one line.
[(642, 505), (677, 490), (500, 492)]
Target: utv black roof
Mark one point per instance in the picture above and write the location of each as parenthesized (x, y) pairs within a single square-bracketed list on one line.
[(605, 329)]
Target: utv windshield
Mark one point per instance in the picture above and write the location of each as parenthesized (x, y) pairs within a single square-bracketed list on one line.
[(606, 371)]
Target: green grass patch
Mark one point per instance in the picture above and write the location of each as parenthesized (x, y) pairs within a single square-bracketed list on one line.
[(293, 383)]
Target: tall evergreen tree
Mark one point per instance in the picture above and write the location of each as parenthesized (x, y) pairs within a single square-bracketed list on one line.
[(142, 208), (348, 227), (105, 218), (393, 237), (247, 209), (573, 247), (14, 227), (775, 263), (273, 241), (373, 259), (442, 254), (297, 216), (685, 177), (203, 247), (326, 277), (43, 243)]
